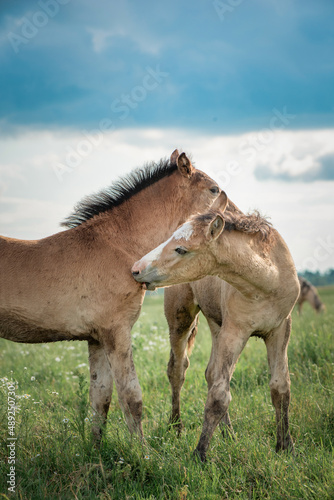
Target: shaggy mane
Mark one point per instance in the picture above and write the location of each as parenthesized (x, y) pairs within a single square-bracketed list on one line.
[(120, 191), (235, 220), (251, 223)]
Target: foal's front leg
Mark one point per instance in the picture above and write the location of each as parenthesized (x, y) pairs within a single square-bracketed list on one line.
[(277, 346), (101, 385), (226, 349), (181, 314), (225, 423)]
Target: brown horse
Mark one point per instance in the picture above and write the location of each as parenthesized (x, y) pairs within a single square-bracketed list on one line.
[(309, 293), (77, 284), (256, 299)]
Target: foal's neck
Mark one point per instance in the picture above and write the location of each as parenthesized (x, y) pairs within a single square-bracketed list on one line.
[(245, 263)]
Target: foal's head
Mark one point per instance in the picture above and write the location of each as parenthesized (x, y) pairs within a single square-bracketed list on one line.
[(186, 255)]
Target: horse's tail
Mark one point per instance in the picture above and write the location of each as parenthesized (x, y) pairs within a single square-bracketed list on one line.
[(191, 338), (318, 305)]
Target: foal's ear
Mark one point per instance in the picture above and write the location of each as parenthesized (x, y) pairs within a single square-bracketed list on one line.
[(184, 165), (215, 228), (174, 157)]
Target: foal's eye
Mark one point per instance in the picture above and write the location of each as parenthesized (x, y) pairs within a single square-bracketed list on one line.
[(180, 250), (215, 190)]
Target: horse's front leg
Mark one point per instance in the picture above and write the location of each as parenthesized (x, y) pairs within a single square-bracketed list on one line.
[(117, 345), (226, 349), (225, 423), (101, 385), (277, 346), (181, 315)]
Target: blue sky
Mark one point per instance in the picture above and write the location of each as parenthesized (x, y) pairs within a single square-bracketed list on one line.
[(228, 62), (90, 90)]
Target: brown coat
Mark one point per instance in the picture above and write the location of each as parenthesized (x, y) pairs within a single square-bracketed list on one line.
[(77, 284)]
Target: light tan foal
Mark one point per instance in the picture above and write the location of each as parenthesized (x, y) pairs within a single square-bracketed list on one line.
[(256, 298)]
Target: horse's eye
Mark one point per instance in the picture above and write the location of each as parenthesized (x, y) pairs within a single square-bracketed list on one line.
[(180, 250), (215, 190)]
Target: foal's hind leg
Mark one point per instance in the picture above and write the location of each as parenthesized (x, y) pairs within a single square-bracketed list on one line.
[(101, 385), (181, 314), (277, 346)]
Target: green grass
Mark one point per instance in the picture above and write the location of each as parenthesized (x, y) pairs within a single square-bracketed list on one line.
[(55, 457)]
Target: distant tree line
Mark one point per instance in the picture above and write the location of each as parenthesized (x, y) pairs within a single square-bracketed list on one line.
[(318, 278)]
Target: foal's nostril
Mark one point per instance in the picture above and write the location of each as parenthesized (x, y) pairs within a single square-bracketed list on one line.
[(135, 273)]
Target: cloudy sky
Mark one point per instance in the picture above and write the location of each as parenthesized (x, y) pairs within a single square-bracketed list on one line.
[(90, 90)]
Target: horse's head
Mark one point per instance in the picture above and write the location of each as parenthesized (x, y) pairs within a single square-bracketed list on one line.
[(197, 191), (186, 255)]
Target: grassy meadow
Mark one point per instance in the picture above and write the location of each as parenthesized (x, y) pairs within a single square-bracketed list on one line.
[(55, 458)]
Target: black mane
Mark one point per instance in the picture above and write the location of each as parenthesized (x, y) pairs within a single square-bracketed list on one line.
[(120, 191)]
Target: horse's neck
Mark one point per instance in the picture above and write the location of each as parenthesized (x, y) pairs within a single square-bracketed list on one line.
[(146, 219), (244, 264)]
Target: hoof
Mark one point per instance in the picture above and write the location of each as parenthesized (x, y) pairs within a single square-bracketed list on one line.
[(199, 456), (227, 432), (287, 447), (176, 424), (97, 437)]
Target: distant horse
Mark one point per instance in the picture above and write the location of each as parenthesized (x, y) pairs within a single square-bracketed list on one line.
[(309, 293), (77, 284), (256, 299)]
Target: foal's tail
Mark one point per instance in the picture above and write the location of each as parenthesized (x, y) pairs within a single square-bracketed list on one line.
[(191, 338)]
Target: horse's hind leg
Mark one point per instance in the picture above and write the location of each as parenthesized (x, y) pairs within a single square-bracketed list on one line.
[(226, 426), (277, 346), (181, 314), (101, 385), (225, 423)]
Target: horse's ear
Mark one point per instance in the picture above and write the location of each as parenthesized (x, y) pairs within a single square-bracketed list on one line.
[(215, 228), (220, 203), (174, 157), (184, 165)]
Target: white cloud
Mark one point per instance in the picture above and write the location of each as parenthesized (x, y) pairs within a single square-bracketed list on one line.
[(33, 201), (102, 39)]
